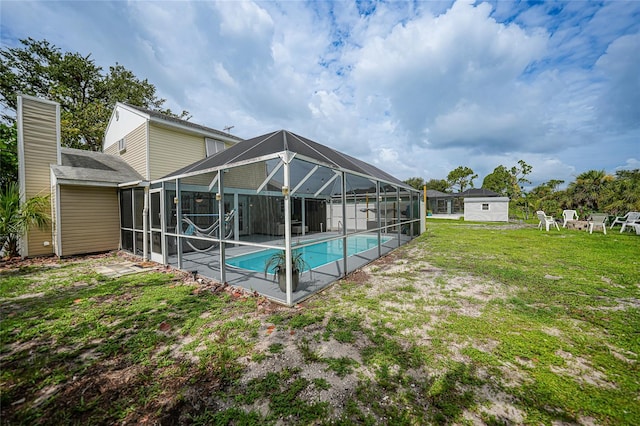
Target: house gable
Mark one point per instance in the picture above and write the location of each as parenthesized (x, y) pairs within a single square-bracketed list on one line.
[(124, 119)]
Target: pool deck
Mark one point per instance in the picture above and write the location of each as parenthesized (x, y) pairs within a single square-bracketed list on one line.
[(208, 265)]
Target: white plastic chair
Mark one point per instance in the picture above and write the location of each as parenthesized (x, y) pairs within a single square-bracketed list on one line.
[(598, 220), (568, 215), (632, 219), (547, 220), (623, 219)]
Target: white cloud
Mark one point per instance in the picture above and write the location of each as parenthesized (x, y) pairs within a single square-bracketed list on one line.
[(620, 99), (416, 88), (438, 72)]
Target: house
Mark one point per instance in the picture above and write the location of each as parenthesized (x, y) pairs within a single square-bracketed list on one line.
[(86, 188), (202, 200), (443, 202)]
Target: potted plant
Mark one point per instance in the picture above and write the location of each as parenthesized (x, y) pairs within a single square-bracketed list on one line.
[(277, 264)]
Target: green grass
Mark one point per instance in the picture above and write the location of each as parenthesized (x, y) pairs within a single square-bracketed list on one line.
[(544, 322)]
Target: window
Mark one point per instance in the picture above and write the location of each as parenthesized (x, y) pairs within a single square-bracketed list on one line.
[(122, 145), (213, 146), (485, 206)]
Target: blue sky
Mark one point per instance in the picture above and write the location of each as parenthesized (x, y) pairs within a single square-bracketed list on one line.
[(416, 88)]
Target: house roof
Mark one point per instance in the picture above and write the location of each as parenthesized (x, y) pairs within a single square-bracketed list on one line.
[(90, 167), (283, 140), (177, 122), (432, 193)]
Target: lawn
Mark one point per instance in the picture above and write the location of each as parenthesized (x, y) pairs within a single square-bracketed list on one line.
[(469, 324)]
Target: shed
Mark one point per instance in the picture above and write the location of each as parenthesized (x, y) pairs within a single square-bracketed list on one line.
[(486, 209)]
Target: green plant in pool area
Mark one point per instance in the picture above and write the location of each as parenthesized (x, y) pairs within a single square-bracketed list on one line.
[(276, 264)]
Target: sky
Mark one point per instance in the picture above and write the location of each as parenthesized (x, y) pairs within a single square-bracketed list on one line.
[(415, 88)]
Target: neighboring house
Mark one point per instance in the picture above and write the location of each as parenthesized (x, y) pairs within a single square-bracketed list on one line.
[(470, 203), (443, 202), (85, 187)]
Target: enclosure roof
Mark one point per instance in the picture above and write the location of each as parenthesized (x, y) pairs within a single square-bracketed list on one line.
[(284, 140), (85, 166)]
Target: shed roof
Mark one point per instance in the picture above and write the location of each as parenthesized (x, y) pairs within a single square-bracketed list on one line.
[(90, 167), (280, 141), (478, 192)]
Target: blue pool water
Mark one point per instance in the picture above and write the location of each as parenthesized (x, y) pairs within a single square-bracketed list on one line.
[(314, 255)]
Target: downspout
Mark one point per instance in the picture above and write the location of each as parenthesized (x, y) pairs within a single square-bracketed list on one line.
[(145, 225)]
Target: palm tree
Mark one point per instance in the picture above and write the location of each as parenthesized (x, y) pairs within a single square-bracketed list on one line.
[(16, 219), (588, 189), (624, 195)]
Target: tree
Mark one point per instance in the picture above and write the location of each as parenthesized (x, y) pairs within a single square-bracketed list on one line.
[(623, 194), (17, 218), (508, 182), (86, 95), (460, 177), (519, 174), (8, 155), (415, 182), (500, 181), (438, 184), (588, 190), (546, 197)]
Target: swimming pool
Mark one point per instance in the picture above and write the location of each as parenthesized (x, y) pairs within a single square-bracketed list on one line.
[(315, 255)]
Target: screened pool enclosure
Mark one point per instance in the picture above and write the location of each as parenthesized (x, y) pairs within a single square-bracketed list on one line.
[(225, 216)]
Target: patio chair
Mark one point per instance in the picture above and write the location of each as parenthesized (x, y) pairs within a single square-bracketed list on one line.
[(632, 219), (624, 219), (568, 215), (598, 220), (547, 220)]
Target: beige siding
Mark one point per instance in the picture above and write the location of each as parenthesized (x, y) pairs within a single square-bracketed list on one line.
[(112, 150), (136, 149), (170, 150), (39, 135), (89, 219)]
